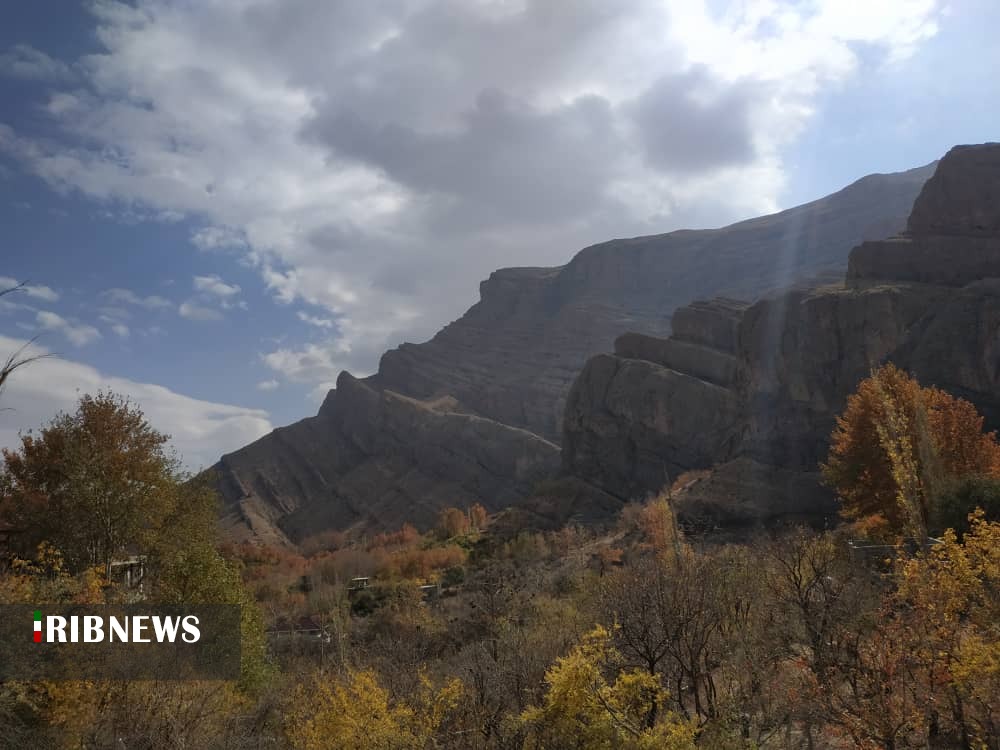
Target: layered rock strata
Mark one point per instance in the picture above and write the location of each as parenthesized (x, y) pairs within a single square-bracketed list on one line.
[(376, 459), (471, 393), (758, 397)]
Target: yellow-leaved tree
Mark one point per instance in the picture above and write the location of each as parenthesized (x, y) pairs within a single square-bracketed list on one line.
[(949, 598), (358, 713), (583, 709)]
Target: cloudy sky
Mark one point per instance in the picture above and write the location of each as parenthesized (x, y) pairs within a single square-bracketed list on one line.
[(220, 204)]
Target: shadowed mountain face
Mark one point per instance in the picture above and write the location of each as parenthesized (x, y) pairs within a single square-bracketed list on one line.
[(753, 390), (513, 356), (474, 414)]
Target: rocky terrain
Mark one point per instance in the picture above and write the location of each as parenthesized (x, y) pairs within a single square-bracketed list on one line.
[(476, 412), (753, 390), (378, 459)]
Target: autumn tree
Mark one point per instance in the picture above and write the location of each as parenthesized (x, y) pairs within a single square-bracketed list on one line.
[(591, 703), (92, 482), (659, 526), (452, 522), (897, 441), (358, 712), (948, 601), (99, 483), (478, 517)]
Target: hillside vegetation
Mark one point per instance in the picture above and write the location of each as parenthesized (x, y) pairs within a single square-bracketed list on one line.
[(636, 634)]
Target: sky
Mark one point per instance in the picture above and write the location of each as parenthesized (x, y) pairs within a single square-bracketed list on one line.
[(218, 205)]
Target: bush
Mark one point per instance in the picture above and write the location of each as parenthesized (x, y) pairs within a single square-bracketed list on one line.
[(959, 497), (453, 576)]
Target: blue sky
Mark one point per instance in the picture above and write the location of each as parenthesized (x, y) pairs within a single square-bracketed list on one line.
[(220, 205)]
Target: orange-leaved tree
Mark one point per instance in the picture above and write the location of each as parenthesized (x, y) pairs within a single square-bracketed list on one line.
[(897, 440)]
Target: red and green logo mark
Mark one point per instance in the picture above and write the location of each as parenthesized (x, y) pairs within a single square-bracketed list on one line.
[(38, 626)]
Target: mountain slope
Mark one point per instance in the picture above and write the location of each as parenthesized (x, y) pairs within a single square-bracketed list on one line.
[(494, 382), (513, 355), (754, 391)]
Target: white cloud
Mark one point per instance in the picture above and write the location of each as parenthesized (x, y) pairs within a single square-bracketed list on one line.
[(201, 430), (128, 297), (267, 385), (314, 320), (36, 291), (218, 238), (311, 364), (24, 61), (193, 311), (111, 314), (120, 329), (377, 160), (215, 286), (78, 334)]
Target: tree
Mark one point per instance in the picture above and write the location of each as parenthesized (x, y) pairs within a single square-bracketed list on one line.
[(896, 442), (635, 599), (959, 497), (659, 525), (359, 713), (478, 517), (452, 522), (99, 483), (583, 709), (93, 482), (948, 599)]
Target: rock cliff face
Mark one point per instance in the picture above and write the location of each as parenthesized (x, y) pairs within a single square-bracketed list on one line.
[(758, 399), (513, 356), (473, 414), (376, 458)]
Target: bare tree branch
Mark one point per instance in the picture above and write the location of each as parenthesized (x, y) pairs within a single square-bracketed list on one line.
[(18, 359), (18, 288)]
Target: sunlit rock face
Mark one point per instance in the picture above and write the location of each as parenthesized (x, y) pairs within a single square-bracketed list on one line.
[(758, 396), (484, 399)]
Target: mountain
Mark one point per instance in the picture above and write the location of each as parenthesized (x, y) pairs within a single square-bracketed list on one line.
[(753, 390), (476, 413), (514, 354)]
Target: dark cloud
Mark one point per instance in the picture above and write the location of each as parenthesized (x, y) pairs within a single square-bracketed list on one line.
[(505, 162), (689, 122)]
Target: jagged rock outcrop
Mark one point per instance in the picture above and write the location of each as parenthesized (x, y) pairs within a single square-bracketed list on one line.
[(927, 301), (956, 216), (507, 365), (963, 196)]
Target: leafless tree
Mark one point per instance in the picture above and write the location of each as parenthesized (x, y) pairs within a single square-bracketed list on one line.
[(19, 358)]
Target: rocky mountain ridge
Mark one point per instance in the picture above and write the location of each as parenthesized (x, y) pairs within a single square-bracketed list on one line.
[(476, 413), (753, 390)]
